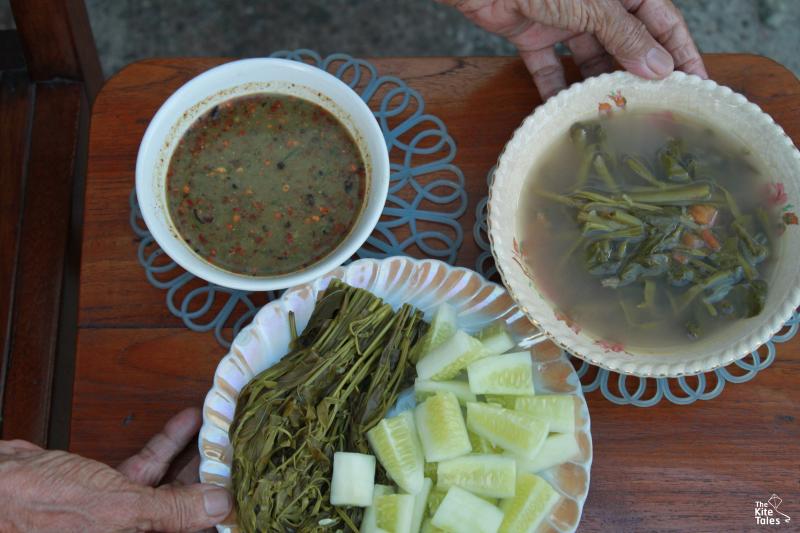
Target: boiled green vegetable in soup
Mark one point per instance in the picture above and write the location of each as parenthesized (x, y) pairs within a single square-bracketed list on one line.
[(649, 230)]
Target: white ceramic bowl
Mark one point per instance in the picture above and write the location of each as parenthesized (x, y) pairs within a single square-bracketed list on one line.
[(240, 78), (424, 284), (717, 105)]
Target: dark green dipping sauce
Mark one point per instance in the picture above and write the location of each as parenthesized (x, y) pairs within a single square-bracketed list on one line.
[(265, 184)]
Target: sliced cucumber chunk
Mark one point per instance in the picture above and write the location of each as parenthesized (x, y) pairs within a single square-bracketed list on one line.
[(511, 374), (441, 428), (557, 448), (442, 327), (353, 479), (428, 527), (557, 409), (516, 432), (448, 359), (424, 388), (435, 499), (482, 445), (503, 401), (369, 523), (394, 512), (463, 512), (487, 475), (534, 500), (420, 502), (395, 442), (496, 338)]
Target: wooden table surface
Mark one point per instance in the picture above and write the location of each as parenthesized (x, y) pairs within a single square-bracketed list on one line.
[(665, 468)]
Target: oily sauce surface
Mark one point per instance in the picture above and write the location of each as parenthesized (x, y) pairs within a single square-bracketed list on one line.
[(265, 184)]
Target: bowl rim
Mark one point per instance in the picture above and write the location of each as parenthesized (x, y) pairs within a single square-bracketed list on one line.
[(599, 356), (171, 111)]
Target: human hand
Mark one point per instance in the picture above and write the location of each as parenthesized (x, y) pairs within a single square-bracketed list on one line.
[(647, 37), (43, 491)]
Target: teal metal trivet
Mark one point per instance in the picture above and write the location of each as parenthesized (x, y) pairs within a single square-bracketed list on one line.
[(421, 152), (646, 392)]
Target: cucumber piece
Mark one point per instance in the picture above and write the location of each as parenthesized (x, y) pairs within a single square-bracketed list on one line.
[(353, 479), (445, 361), (463, 512), (441, 428), (442, 327), (557, 448), (487, 475), (434, 500), (496, 338), (511, 373), (503, 401), (420, 502), (395, 443), (437, 495), (428, 527), (534, 500), (482, 445), (558, 409), (424, 388), (516, 432), (394, 512), (369, 523)]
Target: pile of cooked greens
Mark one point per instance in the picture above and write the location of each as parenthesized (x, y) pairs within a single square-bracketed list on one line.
[(665, 224), (339, 379)]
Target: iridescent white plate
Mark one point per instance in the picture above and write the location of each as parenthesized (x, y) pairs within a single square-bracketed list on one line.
[(424, 284)]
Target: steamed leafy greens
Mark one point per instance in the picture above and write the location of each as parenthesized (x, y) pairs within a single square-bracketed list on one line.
[(339, 379)]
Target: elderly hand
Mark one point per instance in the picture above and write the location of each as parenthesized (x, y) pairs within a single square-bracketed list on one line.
[(43, 490), (647, 37)]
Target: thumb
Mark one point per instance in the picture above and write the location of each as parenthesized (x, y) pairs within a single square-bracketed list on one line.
[(629, 41), (174, 508)]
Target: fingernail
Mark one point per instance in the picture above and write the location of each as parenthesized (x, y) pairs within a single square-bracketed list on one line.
[(659, 61), (217, 502)]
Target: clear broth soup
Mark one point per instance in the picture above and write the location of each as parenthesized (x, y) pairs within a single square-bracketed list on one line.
[(649, 230)]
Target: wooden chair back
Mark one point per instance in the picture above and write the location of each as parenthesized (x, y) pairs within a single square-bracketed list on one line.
[(49, 75)]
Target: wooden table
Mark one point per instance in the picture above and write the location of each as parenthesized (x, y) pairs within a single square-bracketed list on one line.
[(666, 468)]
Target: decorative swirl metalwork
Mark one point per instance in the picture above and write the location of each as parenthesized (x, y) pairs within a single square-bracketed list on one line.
[(421, 155), (647, 392)]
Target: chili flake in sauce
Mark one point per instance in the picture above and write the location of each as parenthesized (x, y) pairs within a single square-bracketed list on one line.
[(265, 184)]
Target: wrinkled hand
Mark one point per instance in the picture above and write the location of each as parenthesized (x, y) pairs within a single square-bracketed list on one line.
[(648, 37), (42, 491)]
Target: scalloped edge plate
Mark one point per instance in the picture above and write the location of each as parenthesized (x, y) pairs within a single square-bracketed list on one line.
[(425, 284)]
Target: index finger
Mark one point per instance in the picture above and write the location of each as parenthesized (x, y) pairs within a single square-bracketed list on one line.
[(149, 465), (665, 22)]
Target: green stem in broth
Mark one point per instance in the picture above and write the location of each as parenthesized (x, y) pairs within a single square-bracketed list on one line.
[(555, 197), (641, 170), (585, 167), (601, 167), (674, 195)]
